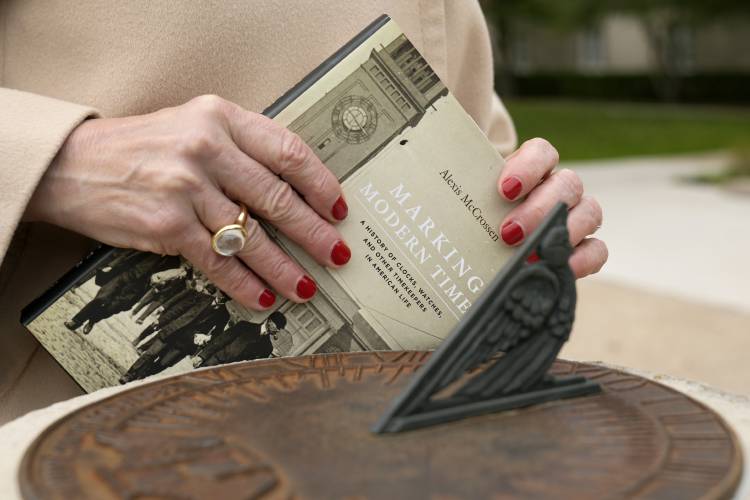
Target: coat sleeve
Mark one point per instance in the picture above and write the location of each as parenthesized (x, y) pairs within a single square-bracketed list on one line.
[(217, 343), (32, 130), (470, 72)]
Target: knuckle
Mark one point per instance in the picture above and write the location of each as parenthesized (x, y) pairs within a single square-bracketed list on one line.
[(277, 269), (216, 212), (215, 265), (182, 180), (256, 236), (199, 142), (536, 213), (210, 104), (280, 203), (322, 183), (177, 228), (597, 214), (594, 256), (579, 264), (294, 153), (146, 243), (603, 254), (239, 281), (166, 226), (316, 232), (589, 262), (543, 148), (573, 183)]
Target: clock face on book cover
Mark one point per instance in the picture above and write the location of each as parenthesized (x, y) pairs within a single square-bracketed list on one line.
[(354, 119)]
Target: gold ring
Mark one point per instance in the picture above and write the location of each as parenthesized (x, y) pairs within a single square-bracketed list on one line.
[(230, 239)]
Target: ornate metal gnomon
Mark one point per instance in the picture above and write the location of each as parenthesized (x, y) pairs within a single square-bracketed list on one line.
[(299, 428), (526, 312)]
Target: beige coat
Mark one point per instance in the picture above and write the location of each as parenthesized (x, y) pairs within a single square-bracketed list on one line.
[(63, 61)]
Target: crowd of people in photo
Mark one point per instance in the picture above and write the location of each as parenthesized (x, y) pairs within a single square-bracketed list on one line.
[(185, 315)]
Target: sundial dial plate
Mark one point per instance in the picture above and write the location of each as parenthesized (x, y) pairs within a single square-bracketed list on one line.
[(300, 428)]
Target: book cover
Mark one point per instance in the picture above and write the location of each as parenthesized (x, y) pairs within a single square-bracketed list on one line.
[(419, 177)]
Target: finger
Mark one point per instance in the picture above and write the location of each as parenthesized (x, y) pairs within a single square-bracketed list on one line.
[(287, 155), (526, 168), (227, 273), (563, 185), (584, 219), (588, 257), (260, 253), (274, 200)]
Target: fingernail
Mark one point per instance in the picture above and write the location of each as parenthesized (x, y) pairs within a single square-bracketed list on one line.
[(267, 298), (534, 257), (511, 233), (306, 287), (340, 209), (340, 254), (512, 187)]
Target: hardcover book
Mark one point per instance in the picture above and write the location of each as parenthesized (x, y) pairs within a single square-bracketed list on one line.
[(419, 177)]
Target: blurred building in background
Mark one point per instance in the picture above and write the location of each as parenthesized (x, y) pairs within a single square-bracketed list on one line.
[(671, 50), (621, 44)]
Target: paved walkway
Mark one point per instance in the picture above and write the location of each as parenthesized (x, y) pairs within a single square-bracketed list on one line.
[(628, 326), (675, 295), (668, 235)]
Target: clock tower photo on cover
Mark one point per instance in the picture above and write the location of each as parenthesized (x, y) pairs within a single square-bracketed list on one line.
[(126, 315)]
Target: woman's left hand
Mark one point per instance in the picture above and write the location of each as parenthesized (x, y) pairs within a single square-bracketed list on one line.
[(529, 172)]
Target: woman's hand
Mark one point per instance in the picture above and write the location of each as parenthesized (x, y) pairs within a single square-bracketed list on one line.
[(164, 182), (528, 172)]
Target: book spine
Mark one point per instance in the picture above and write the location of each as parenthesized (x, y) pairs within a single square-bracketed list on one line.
[(327, 65), (87, 265)]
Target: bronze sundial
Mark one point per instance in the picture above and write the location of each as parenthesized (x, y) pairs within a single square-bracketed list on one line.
[(300, 428)]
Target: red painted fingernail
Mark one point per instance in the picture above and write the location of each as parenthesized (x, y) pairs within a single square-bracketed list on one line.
[(512, 187), (340, 254), (511, 233), (340, 209), (306, 287), (267, 298), (534, 257)]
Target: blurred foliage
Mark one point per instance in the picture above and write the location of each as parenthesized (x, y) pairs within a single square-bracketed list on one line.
[(716, 87), (739, 168), (695, 10), (741, 163), (564, 14), (590, 130)]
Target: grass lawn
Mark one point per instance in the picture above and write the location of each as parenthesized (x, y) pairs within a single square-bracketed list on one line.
[(583, 130)]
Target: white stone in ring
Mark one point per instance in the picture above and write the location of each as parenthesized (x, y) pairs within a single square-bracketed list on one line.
[(229, 240)]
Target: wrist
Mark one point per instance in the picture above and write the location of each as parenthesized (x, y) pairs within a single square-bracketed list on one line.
[(47, 203)]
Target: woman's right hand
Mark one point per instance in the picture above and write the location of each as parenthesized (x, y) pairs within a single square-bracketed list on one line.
[(164, 182)]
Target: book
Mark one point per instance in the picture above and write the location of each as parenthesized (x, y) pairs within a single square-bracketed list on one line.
[(419, 177)]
